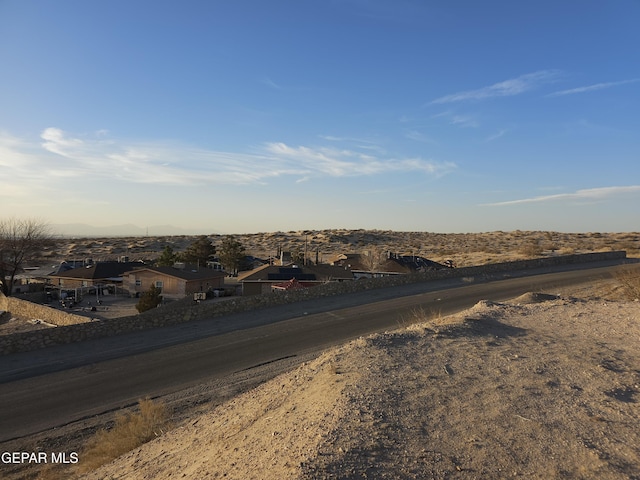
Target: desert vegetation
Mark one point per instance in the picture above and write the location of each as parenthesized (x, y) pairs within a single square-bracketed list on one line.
[(464, 248), (128, 432), (629, 280)]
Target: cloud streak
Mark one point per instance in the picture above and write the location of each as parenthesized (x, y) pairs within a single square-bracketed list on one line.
[(270, 83), (418, 137), (600, 193), (347, 163), (460, 120), (506, 88), (495, 136), (63, 157), (592, 88)]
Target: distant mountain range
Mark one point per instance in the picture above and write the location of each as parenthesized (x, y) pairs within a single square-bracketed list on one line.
[(126, 230)]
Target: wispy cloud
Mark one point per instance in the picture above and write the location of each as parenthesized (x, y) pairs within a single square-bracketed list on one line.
[(270, 83), (459, 119), (21, 167), (370, 144), (59, 157), (591, 194), (506, 88), (347, 139), (464, 121), (592, 88), (342, 163), (418, 137), (495, 136)]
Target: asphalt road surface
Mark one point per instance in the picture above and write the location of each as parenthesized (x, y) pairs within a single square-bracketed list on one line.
[(52, 387)]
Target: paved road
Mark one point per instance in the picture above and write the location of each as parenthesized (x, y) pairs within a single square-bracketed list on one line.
[(52, 387)]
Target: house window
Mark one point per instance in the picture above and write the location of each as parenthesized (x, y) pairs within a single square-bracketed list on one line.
[(159, 284), (138, 283)]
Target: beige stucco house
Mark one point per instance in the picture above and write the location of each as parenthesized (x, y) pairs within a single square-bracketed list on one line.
[(174, 282)]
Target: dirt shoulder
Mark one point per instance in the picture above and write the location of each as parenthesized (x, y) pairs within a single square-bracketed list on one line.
[(533, 388)]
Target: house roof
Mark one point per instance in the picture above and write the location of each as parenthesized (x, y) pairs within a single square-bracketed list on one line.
[(99, 271), (393, 263), (190, 272), (292, 284), (251, 273), (331, 272), (415, 263), (313, 273), (342, 256)]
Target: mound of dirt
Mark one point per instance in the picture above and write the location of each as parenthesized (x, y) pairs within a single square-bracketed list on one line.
[(533, 297), (528, 390)]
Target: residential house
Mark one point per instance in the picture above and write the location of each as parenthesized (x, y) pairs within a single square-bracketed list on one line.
[(94, 274), (261, 280), (364, 265), (249, 262), (174, 282)]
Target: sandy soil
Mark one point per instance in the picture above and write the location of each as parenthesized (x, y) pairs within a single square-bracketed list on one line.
[(540, 387), (464, 248)]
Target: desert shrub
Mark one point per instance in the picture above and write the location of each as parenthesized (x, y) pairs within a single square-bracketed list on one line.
[(531, 249), (552, 246), (54, 472), (129, 432), (419, 315), (149, 299), (629, 279), (629, 246)]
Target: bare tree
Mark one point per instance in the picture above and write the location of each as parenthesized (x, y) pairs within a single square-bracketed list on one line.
[(21, 241), (373, 259)]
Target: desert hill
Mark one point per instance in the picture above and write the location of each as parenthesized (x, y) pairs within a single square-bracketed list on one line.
[(464, 248)]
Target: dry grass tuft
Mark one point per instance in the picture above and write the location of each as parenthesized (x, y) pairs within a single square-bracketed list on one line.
[(129, 432), (54, 472), (629, 279), (420, 319)]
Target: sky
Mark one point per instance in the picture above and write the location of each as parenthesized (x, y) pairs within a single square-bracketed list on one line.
[(254, 116)]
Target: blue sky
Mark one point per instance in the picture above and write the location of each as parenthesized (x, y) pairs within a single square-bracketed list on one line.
[(254, 116)]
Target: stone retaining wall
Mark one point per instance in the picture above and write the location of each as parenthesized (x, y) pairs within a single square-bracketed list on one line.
[(25, 309), (186, 310)]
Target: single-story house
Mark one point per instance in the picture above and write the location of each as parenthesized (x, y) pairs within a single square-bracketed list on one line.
[(100, 273), (363, 265), (174, 282), (261, 280)]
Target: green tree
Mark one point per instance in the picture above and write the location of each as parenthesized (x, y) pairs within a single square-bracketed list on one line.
[(21, 242), (200, 251), (149, 299), (168, 257), (231, 254)]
